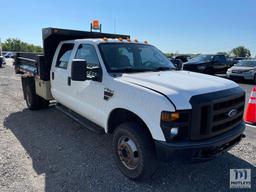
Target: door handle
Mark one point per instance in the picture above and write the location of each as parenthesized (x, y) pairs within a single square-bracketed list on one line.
[(69, 81)]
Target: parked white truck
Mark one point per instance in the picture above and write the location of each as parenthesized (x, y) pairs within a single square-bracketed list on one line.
[(131, 91)]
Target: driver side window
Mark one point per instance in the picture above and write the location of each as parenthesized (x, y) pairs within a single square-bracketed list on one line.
[(88, 53)]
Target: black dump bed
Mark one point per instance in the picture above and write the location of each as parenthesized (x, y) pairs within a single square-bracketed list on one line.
[(40, 63)]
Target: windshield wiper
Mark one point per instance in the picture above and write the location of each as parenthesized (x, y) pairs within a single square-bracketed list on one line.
[(163, 69), (131, 70), (134, 70)]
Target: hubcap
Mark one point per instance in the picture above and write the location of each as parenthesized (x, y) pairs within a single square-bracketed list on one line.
[(128, 152)]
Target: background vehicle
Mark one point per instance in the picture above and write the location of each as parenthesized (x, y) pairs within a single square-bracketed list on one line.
[(177, 63), (237, 59), (183, 58), (2, 61), (208, 64), (131, 90), (9, 55), (244, 69)]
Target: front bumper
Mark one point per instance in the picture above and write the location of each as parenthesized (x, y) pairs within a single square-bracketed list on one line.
[(207, 149), (245, 76)]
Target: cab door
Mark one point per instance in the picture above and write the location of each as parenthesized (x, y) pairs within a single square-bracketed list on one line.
[(60, 75), (87, 96)]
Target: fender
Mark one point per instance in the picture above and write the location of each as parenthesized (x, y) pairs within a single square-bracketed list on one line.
[(156, 92)]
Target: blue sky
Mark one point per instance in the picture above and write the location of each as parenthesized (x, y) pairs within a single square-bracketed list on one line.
[(183, 26)]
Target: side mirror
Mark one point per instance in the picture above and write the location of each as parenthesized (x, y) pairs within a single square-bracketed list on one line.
[(78, 70), (81, 71)]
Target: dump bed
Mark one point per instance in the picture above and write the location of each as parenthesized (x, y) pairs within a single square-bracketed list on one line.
[(40, 63), (27, 62)]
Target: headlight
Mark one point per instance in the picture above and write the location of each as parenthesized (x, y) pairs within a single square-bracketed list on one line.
[(169, 116), (175, 125), (252, 71), (201, 67)]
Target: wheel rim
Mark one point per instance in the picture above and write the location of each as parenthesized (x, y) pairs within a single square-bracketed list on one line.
[(128, 152)]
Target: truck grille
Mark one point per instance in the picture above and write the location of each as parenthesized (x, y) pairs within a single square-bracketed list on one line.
[(236, 71), (216, 113)]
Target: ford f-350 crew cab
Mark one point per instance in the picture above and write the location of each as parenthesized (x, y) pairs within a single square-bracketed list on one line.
[(132, 91)]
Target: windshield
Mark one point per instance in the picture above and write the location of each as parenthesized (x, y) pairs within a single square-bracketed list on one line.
[(131, 57), (243, 63), (202, 58)]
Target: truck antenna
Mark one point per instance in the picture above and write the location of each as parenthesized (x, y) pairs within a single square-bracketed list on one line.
[(0, 47), (115, 25)]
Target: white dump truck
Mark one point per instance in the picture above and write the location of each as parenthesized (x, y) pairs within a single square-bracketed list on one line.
[(130, 90)]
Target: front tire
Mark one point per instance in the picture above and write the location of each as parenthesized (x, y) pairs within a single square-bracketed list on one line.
[(134, 151)]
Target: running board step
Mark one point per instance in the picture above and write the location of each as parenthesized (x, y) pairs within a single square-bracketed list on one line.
[(81, 120)]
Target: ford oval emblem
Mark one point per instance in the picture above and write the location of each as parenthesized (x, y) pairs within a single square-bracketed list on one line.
[(232, 113)]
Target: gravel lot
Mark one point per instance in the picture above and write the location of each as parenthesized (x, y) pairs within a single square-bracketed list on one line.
[(46, 151)]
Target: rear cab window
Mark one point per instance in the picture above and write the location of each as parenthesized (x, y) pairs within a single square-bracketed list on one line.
[(64, 55)]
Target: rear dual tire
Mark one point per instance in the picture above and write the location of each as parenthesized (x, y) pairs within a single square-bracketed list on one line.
[(33, 101)]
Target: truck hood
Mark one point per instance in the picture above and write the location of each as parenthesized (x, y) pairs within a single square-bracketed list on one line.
[(179, 86)]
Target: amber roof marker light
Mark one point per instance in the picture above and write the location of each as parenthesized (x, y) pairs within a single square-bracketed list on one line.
[(105, 39), (95, 25)]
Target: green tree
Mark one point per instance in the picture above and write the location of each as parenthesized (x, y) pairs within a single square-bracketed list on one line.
[(241, 51), (17, 45), (169, 55)]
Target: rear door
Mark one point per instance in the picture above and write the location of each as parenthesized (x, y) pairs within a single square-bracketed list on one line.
[(60, 78)]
